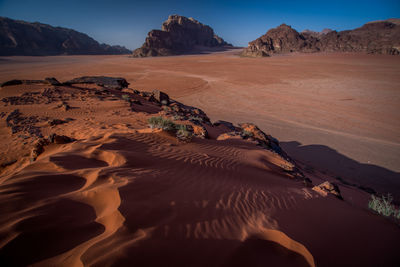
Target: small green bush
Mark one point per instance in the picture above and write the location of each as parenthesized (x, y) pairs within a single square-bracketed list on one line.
[(383, 205), (126, 97), (246, 134), (182, 133), (161, 123)]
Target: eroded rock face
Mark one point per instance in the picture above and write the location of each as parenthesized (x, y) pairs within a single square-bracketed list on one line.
[(179, 35), (381, 37), (37, 39)]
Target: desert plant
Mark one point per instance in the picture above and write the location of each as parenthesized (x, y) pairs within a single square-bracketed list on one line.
[(383, 205), (183, 133), (246, 134), (126, 97), (161, 123)]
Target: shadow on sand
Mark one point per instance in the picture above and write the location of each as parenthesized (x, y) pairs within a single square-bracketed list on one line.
[(346, 170)]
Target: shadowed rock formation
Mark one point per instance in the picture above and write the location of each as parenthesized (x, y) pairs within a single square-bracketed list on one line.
[(180, 35), (380, 37), (36, 39)]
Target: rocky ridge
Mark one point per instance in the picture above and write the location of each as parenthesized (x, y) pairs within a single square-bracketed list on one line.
[(380, 37), (179, 35), (36, 39)]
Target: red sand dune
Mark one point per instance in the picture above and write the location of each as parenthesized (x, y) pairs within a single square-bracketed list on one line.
[(125, 195)]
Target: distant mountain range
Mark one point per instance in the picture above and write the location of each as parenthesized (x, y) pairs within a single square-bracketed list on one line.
[(377, 37), (181, 35), (36, 39)]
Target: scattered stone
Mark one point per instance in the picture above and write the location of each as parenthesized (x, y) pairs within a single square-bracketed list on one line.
[(18, 123), (103, 81), (328, 188)]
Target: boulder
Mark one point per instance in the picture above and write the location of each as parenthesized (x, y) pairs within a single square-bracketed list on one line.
[(200, 131), (161, 97), (328, 188)]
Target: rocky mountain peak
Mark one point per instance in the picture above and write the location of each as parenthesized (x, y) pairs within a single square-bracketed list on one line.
[(179, 35)]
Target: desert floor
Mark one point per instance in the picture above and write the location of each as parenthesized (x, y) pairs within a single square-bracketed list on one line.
[(335, 112), (123, 194)]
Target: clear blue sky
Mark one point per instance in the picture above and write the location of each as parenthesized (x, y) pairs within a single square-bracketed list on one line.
[(238, 22)]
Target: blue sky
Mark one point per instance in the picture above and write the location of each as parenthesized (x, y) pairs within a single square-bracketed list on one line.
[(238, 22)]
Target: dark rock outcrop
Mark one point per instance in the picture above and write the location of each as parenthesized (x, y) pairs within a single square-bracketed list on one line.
[(381, 37), (179, 35), (103, 81), (37, 39)]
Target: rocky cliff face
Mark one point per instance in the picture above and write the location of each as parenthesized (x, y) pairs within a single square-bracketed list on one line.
[(179, 35), (36, 39), (381, 37)]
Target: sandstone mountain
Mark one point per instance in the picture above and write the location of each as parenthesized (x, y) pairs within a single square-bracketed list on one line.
[(37, 39), (379, 37), (180, 35)]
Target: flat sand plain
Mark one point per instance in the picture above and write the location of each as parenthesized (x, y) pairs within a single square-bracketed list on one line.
[(339, 113)]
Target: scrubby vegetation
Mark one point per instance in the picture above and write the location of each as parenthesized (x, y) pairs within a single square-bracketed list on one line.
[(246, 134), (126, 97), (182, 131), (383, 205), (161, 123)]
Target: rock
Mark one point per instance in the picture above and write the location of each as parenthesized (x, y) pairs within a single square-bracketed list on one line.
[(200, 131), (307, 182), (38, 149), (106, 82), (226, 136), (59, 139), (56, 122), (328, 188), (65, 107), (37, 39), (18, 82), (136, 102), (52, 81), (179, 35), (161, 97), (381, 37)]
